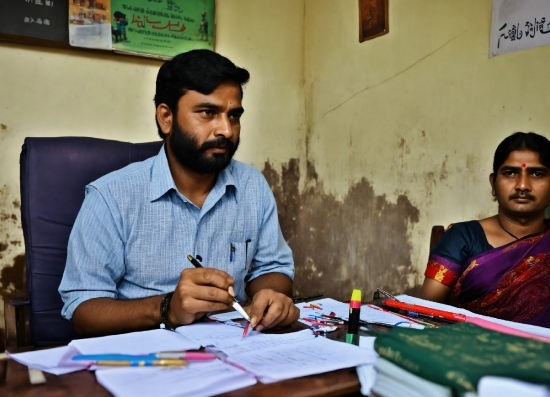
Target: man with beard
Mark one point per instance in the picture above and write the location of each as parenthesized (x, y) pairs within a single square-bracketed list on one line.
[(127, 266), (500, 266)]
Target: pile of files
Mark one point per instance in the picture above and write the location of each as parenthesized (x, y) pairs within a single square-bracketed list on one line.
[(461, 359), (237, 362)]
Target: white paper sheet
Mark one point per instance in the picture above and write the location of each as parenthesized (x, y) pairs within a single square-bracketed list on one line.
[(225, 316), (46, 360), (266, 341), (374, 314), (143, 342), (313, 356), (518, 25), (523, 327), (392, 380), (494, 386), (197, 380), (366, 373), (327, 305), (214, 334), (340, 309)]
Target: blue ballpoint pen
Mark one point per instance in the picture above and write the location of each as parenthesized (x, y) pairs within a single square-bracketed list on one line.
[(126, 360)]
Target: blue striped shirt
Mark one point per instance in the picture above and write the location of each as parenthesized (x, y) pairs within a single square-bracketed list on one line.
[(134, 231)]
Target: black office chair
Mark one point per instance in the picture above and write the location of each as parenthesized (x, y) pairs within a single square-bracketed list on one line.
[(54, 173)]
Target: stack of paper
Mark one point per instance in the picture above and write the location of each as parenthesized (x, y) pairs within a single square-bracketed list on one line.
[(366, 372), (456, 357), (197, 380), (293, 360), (493, 386), (393, 381), (273, 357), (58, 361)]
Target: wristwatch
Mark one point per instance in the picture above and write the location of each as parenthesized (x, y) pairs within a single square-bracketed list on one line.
[(164, 307)]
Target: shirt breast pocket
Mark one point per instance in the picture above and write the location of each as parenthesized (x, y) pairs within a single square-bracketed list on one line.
[(241, 255), (241, 259)]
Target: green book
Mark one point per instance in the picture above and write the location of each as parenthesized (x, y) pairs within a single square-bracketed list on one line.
[(459, 355)]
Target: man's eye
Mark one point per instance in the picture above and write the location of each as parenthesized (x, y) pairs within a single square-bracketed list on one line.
[(509, 173), (538, 174), (235, 116), (208, 112)]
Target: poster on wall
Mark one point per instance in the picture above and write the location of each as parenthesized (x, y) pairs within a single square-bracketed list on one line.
[(90, 24), (162, 28), (156, 28), (519, 25), (42, 19)]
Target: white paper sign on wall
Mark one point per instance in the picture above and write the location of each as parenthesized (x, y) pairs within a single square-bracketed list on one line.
[(519, 25)]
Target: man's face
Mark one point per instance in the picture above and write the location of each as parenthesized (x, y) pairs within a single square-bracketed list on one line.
[(522, 184), (205, 134)]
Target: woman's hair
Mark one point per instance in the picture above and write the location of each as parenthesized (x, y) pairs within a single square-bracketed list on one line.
[(522, 141)]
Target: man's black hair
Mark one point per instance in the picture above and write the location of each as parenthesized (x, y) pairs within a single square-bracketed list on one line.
[(197, 70), (522, 141)]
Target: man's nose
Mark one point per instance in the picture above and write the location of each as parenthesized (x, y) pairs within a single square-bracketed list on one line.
[(224, 127), (523, 182)]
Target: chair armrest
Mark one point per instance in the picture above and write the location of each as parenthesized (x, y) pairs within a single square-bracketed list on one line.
[(16, 320), (18, 302)]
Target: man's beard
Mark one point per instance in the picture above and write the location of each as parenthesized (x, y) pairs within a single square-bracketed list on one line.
[(188, 153)]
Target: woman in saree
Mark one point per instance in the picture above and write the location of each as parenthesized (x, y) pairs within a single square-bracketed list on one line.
[(500, 266)]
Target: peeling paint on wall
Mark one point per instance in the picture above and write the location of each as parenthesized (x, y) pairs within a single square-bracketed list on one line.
[(12, 257), (13, 278), (358, 242)]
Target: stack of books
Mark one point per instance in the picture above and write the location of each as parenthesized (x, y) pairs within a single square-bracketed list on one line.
[(451, 361)]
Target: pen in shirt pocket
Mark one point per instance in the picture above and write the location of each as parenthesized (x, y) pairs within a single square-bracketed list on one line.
[(231, 252), (246, 253)]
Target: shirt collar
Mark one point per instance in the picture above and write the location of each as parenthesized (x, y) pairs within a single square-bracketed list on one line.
[(225, 179), (162, 181)]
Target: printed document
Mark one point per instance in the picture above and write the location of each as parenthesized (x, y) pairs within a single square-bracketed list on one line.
[(196, 380)]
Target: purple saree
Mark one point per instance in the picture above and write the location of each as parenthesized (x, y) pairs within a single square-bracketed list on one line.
[(511, 282)]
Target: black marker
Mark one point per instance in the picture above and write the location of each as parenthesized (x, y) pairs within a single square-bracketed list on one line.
[(352, 335)]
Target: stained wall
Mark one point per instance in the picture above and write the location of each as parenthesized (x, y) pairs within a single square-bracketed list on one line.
[(400, 135)]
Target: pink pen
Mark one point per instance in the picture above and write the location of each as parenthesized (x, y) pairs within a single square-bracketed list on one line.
[(191, 356)]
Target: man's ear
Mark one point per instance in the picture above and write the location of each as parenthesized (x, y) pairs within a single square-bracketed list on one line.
[(492, 182), (164, 118)]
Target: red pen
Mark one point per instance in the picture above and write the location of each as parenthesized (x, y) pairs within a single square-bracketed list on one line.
[(425, 310)]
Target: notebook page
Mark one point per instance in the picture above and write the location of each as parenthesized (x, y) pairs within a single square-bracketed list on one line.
[(313, 356), (143, 342)]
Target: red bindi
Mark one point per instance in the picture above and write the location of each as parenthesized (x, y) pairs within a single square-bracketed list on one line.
[(523, 165)]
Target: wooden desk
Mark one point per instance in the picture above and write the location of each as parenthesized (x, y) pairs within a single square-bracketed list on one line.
[(83, 383)]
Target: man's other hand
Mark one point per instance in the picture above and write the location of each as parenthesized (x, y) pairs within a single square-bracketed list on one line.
[(270, 308)]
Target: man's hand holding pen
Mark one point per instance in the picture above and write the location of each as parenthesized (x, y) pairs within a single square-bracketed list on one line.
[(198, 292)]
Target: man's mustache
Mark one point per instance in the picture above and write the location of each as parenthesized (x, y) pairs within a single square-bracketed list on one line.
[(522, 195), (218, 143)]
